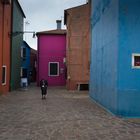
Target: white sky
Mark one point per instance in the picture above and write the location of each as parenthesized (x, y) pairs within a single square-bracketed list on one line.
[(42, 15)]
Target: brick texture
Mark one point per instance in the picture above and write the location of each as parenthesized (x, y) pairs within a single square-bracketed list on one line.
[(78, 42)]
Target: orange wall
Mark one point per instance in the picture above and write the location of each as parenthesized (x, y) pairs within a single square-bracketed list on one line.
[(5, 29), (0, 42), (78, 42)]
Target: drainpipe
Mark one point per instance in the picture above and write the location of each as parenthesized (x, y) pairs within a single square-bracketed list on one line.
[(11, 37)]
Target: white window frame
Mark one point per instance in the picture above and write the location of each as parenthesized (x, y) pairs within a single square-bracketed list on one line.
[(133, 60), (57, 68), (4, 66), (22, 50)]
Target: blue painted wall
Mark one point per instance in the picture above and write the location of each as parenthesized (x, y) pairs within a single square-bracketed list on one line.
[(115, 36), (104, 53), (129, 42), (26, 60)]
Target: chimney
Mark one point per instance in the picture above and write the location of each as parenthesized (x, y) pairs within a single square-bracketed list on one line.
[(58, 22)]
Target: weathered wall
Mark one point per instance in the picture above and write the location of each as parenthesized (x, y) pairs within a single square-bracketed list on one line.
[(5, 29), (129, 42), (78, 31), (16, 44), (33, 61), (115, 36), (104, 53)]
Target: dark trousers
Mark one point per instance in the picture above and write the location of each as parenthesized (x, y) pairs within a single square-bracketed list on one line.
[(44, 92)]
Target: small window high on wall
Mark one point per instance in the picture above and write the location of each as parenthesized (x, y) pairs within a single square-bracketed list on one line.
[(53, 69), (3, 75), (135, 60)]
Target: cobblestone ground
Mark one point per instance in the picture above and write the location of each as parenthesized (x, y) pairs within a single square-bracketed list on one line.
[(64, 115)]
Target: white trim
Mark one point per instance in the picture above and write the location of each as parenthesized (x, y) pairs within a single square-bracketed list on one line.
[(22, 52), (23, 49), (57, 68), (133, 60), (21, 71), (4, 66)]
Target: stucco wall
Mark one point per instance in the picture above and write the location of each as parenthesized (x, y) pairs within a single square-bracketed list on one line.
[(33, 60), (51, 48), (115, 36), (104, 53), (25, 62), (17, 23), (78, 39), (5, 29), (129, 42)]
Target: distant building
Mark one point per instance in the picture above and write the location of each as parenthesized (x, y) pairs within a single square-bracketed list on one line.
[(16, 42), (77, 20), (115, 56), (5, 30), (51, 56), (25, 61), (33, 65), (28, 63)]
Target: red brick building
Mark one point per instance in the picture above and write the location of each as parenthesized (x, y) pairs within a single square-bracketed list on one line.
[(77, 20), (5, 30)]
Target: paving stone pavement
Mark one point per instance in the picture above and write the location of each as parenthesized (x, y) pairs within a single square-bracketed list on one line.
[(64, 115)]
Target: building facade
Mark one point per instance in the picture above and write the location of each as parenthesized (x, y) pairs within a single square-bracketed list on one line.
[(16, 42), (33, 65), (5, 30), (25, 61), (115, 56), (77, 20), (51, 57)]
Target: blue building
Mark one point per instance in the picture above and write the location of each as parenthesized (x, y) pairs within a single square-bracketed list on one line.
[(115, 56), (25, 64)]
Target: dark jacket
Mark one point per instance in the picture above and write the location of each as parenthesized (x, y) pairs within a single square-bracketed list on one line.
[(43, 85)]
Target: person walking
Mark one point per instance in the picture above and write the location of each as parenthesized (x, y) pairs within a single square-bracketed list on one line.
[(43, 85)]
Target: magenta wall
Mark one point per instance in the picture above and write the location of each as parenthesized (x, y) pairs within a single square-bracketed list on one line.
[(51, 48)]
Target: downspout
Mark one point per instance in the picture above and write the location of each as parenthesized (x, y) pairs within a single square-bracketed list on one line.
[(11, 37)]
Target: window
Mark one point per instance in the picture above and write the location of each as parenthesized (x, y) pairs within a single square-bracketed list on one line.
[(53, 69), (23, 73), (3, 75), (135, 60)]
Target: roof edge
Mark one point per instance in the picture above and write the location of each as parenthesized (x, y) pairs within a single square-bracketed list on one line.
[(21, 9), (65, 11), (56, 32)]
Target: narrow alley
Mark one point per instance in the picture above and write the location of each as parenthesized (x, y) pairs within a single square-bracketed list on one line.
[(64, 115)]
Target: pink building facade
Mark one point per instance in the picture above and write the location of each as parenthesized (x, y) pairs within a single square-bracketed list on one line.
[(51, 57)]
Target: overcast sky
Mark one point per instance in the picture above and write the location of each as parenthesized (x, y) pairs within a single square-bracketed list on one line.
[(41, 15)]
